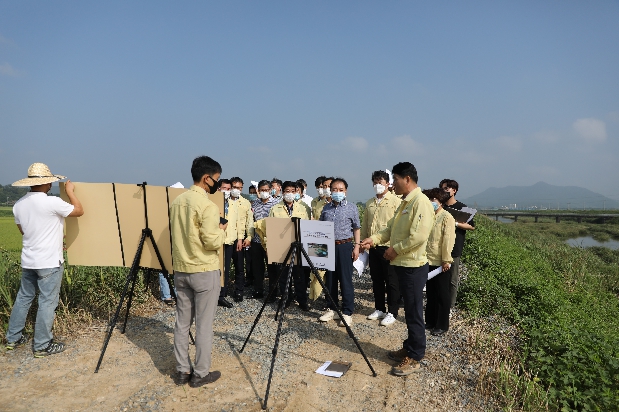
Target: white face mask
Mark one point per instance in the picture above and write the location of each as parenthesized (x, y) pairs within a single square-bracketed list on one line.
[(265, 195), (289, 197), (320, 191), (326, 192), (378, 188), (235, 193), (226, 193)]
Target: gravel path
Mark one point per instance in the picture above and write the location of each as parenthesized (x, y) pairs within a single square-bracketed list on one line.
[(136, 371)]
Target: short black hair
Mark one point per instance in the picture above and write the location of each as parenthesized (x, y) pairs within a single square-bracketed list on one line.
[(276, 180), (328, 178), (264, 183), (236, 179), (452, 184), (302, 183), (204, 165), (339, 179), (224, 181), (319, 181), (252, 187), (289, 183), (380, 174), (405, 169)]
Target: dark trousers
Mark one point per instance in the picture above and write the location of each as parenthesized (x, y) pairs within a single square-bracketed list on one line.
[(239, 270), (343, 275), (227, 261), (258, 256), (384, 280), (438, 300), (249, 272), (455, 280), (412, 281), (298, 279)]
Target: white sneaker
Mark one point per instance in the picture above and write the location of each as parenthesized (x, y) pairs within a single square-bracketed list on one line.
[(347, 318), (327, 316), (387, 320), (377, 314)]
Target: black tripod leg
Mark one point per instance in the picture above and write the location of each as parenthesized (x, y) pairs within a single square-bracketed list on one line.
[(135, 278), (279, 329), (350, 333), (263, 306)]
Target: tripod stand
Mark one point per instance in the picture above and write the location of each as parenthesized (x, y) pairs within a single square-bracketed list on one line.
[(132, 279), (294, 254)]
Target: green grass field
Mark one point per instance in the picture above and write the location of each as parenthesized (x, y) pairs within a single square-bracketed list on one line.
[(10, 238)]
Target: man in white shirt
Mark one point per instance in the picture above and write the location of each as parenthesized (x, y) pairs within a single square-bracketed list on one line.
[(40, 219)]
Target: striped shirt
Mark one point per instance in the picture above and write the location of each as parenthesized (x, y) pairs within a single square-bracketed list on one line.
[(345, 218), (261, 210)]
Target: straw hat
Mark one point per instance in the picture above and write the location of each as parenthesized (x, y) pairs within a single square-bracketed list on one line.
[(38, 174)]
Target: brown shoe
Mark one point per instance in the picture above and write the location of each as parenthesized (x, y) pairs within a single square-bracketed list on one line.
[(197, 381), (182, 378), (398, 355), (406, 367)]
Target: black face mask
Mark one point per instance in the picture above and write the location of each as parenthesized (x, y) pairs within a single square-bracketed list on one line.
[(212, 189)]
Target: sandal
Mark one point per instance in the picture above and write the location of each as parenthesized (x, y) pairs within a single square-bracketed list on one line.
[(169, 302)]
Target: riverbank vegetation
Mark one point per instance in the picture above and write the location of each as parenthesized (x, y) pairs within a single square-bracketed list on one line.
[(563, 301)]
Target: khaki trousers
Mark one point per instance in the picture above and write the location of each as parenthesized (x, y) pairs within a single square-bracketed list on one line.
[(197, 295)]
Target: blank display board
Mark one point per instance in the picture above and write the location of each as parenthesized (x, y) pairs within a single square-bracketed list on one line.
[(109, 232)]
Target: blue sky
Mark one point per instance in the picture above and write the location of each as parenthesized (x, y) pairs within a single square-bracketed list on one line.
[(488, 93)]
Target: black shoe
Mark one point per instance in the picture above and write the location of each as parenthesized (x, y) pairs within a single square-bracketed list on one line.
[(257, 295), (438, 332), (182, 378), (197, 381), (304, 307), (249, 283), (272, 299), (428, 327), (223, 302), (288, 303), (238, 297)]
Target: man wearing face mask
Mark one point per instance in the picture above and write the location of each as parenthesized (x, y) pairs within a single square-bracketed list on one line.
[(287, 208), (345, 218), (318, 183), (253, 196), (451, 187), (261, 208), (197, 236), (234, 233), (379, 210), (246, 218), (326, 198), (276, 189), (408, 234)]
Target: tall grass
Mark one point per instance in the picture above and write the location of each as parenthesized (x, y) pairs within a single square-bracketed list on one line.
[(87, 293), (564, 301)]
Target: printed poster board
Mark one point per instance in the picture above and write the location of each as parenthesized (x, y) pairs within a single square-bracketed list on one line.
[(317, 239), (109, 232)]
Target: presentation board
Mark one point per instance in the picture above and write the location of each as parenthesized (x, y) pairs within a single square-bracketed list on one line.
[(316, 237), (109, 232)]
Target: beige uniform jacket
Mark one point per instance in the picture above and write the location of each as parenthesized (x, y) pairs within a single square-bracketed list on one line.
[(280, 210), (196, 236), (442, 239), (237, 219), (408, 230), (317, 205), (376, 215), (248, 216)]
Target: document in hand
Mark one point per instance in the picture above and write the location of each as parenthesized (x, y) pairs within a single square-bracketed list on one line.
[(361, 263), (334, 369), (462, 216)]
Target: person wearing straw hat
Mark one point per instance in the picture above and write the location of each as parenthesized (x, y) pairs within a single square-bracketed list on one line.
[(40, 219)]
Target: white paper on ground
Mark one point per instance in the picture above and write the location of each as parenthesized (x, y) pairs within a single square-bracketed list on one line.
[(323, 371), (435, 272), (361, 263)]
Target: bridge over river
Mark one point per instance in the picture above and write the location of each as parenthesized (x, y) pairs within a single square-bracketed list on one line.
[(558, 216)]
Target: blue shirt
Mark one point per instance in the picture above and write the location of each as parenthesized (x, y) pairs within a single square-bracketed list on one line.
[(261, 210), (345, 218)]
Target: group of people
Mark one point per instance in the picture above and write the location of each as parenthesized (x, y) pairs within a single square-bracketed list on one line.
[(406, 231)]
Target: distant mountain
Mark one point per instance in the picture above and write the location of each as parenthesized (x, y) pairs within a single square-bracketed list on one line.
[(541, 195)]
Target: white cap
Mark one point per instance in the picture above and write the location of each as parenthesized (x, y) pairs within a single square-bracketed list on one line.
[(178, 185), (390, 177)]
